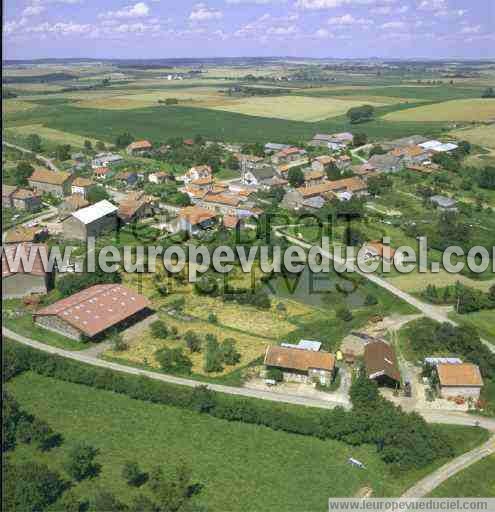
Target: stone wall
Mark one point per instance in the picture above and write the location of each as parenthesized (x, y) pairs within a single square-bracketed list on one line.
[(56, 324), (17, 286)]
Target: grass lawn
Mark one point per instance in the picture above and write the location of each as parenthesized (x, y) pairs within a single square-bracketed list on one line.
[(23, 324), (242, 467), (483, 135), (475, 481), (484, 321)]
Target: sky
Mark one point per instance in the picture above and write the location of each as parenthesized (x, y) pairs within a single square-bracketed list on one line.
[(240, 28)]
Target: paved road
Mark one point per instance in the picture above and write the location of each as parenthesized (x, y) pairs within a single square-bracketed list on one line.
[(87, 357), (437, 313), (427, 484), (49, 163)]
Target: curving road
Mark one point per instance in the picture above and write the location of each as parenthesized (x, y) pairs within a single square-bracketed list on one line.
[(434, 312), (49, 163)]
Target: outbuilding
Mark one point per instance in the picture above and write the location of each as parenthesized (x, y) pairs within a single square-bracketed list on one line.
[(459, 380), (90, 221)]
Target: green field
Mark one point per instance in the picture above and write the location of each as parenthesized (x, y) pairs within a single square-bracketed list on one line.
[(242, 467), (160, 123), (475, 481)]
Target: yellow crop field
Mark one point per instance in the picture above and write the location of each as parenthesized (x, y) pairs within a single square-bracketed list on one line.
[(295, 108), (454, 110), (481, 135), (13, 106), (50, 134)]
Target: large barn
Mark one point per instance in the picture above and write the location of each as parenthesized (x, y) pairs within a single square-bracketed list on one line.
[(381, 364), (92, 311)]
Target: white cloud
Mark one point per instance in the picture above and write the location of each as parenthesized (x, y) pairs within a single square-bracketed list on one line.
[(201, 12), (393, 25), (323, 33), (256, 2), (282, 31), (33, 9), (61, 28), (475, 29), (432, 5), (139, 10), (331, 4), (348, 19)]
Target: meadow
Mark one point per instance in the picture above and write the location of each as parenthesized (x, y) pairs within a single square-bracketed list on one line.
[(475, 481), (474, 109), (240, 467)]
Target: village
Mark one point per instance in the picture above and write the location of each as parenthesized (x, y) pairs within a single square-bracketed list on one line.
[(102, 193)]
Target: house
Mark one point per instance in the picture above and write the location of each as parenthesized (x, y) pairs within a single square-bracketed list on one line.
[(71, 204), (105, 160), (365, 170), (92, 311), (7, 192), (139, 147), (288, 155), (375, 250), (197, 172), (412, 155), (381, 364), (350, 187), (249, 162), (313, 177), (386, 163), (194, 219), (459, 380), (25, 234), (296, 199), (82, 186), (100, 173), (343, 162), (20, 198), (444, 203), (127, 178), (160, 177), (44, 181), (232, 222), (322, 163), (136, 206), (299, 365), (259, 176), (335, 141), (272, 147), (222, 204), (90, 221), (20, 281)]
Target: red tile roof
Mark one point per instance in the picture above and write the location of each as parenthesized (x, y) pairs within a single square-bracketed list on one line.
[(465, 374), (140, 144), (380, 359), (97, 308), (195, 215), (51, 177), (298, 359)]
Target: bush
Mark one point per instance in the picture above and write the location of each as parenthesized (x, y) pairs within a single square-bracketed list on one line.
[(193, 342), (173, 360), (344, 313), (370, 300), (80, 462), (212, 318), (275, 374), (159, 329), (213, 355), (133, 475), (230, 354)]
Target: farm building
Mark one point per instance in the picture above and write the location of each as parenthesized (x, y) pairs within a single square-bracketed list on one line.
[(24, 234), (387, 163), (197, 172), (444, 202), (92, 311), (160, 177), (139, 147), (71, 204), (301, 365), (377, 250), (322, 163), (90, 221), (105, 160), (381, 363), (260, 176), (20, 198), (135, 207), (462, 380), (20, 281), (50, 182)]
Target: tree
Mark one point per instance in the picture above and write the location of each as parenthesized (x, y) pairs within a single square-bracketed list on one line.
[(489, 92), (88, 146), (80, 463), (32, 486), (96, 194), (173, 360), (296, 177), (106, 501), (159, 329), (229, 351), (142, 503), (232, 162), (213, 356), (380, 184), (360, 139), (193, 342), (123, 140), (62, 152), (23, 172), (370, 300), (100, 145), (275, 374), (486, 178), (34, 142), (360, 114), (344, 313), (133, 475), (70, 502), (117, 341)]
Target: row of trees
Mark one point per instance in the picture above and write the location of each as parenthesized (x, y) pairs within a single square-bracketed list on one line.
[(404, 440), (466, 299)]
